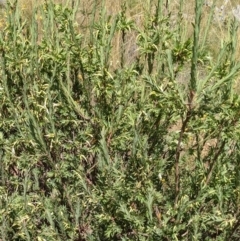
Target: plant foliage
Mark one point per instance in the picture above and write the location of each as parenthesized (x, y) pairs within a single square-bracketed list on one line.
[(145, 151)]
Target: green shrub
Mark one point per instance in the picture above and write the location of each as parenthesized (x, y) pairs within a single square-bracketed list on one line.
[(91, 151)]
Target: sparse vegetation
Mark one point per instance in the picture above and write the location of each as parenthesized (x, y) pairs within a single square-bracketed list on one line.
[(119, 123)]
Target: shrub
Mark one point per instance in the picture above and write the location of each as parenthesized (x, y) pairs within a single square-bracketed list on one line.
[(96, 150)]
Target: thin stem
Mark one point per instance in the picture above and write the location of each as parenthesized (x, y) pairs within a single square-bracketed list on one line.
[(178, 152), (212, 165), (195, 50)]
